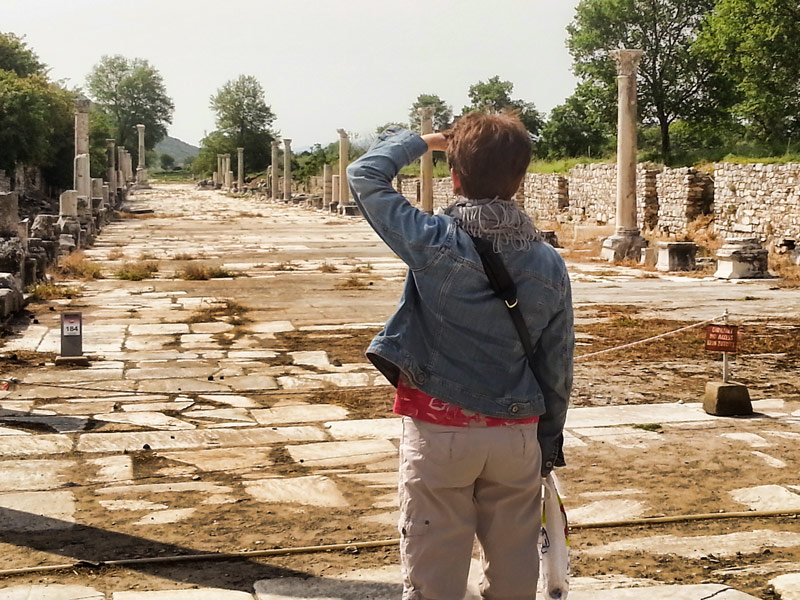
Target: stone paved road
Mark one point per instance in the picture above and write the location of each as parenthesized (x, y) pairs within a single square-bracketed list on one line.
[(228, 414)]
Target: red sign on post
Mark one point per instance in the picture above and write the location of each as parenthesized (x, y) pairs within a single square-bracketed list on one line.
[(722, 338)]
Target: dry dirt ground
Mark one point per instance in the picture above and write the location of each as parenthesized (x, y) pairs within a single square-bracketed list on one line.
[(239, 413)]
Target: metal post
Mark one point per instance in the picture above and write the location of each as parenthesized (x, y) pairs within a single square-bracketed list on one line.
[(725, 355)]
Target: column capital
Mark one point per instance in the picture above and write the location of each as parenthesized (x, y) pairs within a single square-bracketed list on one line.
[(275, 143), (82, 104), (627, 61), (240, 150), (140, 127), (110, 142), (425, 112), (287, 142), (342, 134)]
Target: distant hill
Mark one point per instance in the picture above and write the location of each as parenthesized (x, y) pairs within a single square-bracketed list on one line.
[(177, 149)]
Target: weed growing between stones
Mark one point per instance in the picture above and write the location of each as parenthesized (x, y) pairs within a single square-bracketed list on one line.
[(77, 266), (186, 256), (783, 267), (42, 292), (285, 266), (203, 272), (328, 268), (227, 310), (136, 271), (353, 282), (115, 254)]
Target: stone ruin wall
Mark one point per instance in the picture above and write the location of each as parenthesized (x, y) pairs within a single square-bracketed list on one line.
[(545, 196), (684, 194), (757, 200)]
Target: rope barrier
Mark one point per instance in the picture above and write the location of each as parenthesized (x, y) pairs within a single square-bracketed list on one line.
[(353, 547), (647, 340)]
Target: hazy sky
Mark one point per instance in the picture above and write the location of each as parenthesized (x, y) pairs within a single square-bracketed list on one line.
[(324, 64)]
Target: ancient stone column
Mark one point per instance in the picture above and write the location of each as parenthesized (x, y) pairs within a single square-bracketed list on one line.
[(287, 169), (9, 213), (81, 173), (335, 189), (111, 164), (327, 182), (344, 156), (274, 183), (82, 125), (426, 162), (68, 204), (240, 169), (83, 183), (627, 241), (141, 171)]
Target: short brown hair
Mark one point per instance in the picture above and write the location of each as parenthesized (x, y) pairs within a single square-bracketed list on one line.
[(490, 153)]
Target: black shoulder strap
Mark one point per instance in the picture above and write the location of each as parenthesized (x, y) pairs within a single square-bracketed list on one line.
[(505, 288)]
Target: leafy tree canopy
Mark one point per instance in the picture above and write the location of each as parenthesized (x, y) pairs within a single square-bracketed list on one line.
[(167, 162), (578, 127), (245, 120), (494, 95), (131, 91), (36, 122), (675, 81), (15, 56), (755, 43), (442, 112)]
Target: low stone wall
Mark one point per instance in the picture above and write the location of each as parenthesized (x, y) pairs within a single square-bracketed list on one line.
[(684, 194), (545, 196), (746, 200), (757, 200)]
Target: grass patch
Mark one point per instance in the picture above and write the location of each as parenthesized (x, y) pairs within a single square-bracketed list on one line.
[(563, 165), (129, 215), (648, 426), (180, 176), (136, 271), (366, 268), (115, 254), (42, 292), (352, 283), (229, 310), (285, 266), (783, 267), (186, 256), (77, 266), (196, 272), (328, 268), (147, 256)]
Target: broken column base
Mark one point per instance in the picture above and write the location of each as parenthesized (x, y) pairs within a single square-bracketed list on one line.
[(623, 245), (727, 399), (349, 210), (72, 361), (676, 256), (742, 259)]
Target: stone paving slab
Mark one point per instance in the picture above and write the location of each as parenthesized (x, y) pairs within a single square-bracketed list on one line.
[(311, 490), (637, 414), (385, 429), (176, 440), (666, 592), (788, 586), (18, 445), (327, 454), (58, 506), (51, 591), (198, 594), (17, 475), (729, 544), (299, 413)]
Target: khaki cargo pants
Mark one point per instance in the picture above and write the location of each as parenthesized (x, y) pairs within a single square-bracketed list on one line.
[(460, 482)]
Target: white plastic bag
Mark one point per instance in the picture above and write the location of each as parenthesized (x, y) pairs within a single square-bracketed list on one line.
[(554, 542)]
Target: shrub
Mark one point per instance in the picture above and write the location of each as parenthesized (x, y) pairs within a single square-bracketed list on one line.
[(76, 265), (136, 271)]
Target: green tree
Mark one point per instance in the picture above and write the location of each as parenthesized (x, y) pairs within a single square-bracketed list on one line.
[(675, 81), (245, 119), (494, 95), (212, 144), (578, 127), (442, 112), (755, 43), (35, 114), (130, 92), (167, 162)]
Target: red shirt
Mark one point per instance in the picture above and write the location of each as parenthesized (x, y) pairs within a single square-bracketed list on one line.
[(414, 403)]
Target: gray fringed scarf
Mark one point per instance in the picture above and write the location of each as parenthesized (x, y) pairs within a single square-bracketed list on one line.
[(500, 221)]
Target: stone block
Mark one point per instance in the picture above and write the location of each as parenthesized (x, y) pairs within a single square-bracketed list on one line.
[(676, 256), (9, 213), (649, 257), (742, 259), (727, 399)]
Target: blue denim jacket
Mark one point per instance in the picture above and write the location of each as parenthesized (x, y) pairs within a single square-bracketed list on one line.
[(450, 335)]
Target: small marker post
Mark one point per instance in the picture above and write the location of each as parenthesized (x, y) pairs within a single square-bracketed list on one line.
[(725, 399), (72, 341)]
